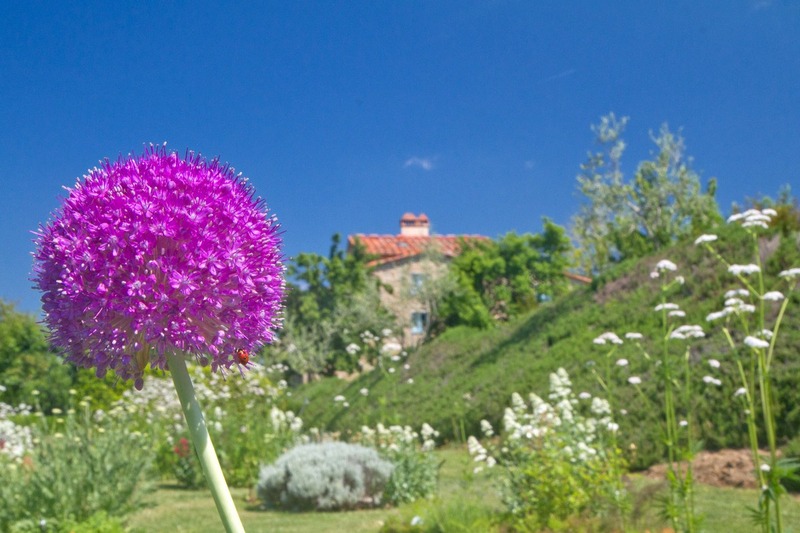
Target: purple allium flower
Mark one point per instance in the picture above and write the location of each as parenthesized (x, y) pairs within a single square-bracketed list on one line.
[(158, 254)]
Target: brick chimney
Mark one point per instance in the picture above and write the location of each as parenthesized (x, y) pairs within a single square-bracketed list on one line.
[(415, 226)]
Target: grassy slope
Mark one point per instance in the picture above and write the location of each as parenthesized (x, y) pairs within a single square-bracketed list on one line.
[(489, 365)]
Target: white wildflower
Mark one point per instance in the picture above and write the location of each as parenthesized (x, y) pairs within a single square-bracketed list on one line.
[(608, 336), (733, 293), (773, 296), (765, 467), (755, 342), (677, 313), (635, 380), (714, 363), (666, 307), (741, 391), (391, 348), (633, 335), (738, 270), (338, 398), (364, 391), (352, 348), (687, 332), (710, 380), (705, 238), (584, 395), (666, 264), (790, 274), (683, 423), (622, 362)]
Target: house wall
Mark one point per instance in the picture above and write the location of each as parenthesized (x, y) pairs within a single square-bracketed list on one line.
[(402, 302)]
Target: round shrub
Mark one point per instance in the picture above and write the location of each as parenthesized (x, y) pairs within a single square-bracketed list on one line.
[(327, 477)]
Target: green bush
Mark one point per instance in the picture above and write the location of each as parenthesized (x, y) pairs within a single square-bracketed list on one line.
[(416, 470), (75, 469), (558, 460), (327, 477)]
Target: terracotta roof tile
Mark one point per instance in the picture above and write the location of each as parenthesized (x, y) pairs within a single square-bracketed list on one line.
[(390, 248)]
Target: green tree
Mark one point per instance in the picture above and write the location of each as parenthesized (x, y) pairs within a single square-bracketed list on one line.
[(27, 364), (786, 206), (662, 203), (496, 280), (331, 301)]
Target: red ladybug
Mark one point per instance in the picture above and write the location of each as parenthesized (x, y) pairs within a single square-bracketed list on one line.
[(243, 356)]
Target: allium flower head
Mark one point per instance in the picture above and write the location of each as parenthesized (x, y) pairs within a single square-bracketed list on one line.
[(156, 254)]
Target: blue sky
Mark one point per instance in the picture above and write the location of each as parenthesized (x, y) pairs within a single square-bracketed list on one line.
[(345, 115)]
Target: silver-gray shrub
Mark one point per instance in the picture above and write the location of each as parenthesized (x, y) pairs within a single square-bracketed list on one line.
[(324, 476)]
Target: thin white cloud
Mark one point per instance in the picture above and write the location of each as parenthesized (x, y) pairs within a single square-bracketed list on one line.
[(562, 74), (425, 163)]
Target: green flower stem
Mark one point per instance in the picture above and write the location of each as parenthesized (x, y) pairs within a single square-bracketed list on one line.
[(198, 432)]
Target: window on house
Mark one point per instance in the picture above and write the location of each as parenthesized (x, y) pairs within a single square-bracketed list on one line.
[(419, 322), (417, 280)]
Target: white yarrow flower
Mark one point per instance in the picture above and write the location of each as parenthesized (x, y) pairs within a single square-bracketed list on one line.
[(755, 342), (738, 270), (633, 335), (773, 296), (790, 274), (622, 362), (687, 332), (734, 293), (635, 380), (677, 313), (741, 391), (608, 336), (714, 363), (667, 307), (666, 264), (705, 238)]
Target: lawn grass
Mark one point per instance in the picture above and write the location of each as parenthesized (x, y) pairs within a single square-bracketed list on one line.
[(172, 509), (183, 511)]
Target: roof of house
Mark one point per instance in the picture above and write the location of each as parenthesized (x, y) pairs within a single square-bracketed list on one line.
[(389, 248)]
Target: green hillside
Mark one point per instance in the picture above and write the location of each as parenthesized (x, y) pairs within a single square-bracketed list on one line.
[(467, 374)]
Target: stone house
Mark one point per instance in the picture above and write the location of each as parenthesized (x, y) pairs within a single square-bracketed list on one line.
[(406, 262)]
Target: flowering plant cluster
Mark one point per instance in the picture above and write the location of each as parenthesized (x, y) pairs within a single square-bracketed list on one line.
[(751, 319), (557, 459), (15, 439), (65, 466), (243, 416), (416, 470)]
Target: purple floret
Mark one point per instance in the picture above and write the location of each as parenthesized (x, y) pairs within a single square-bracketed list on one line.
[(158, 254)]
